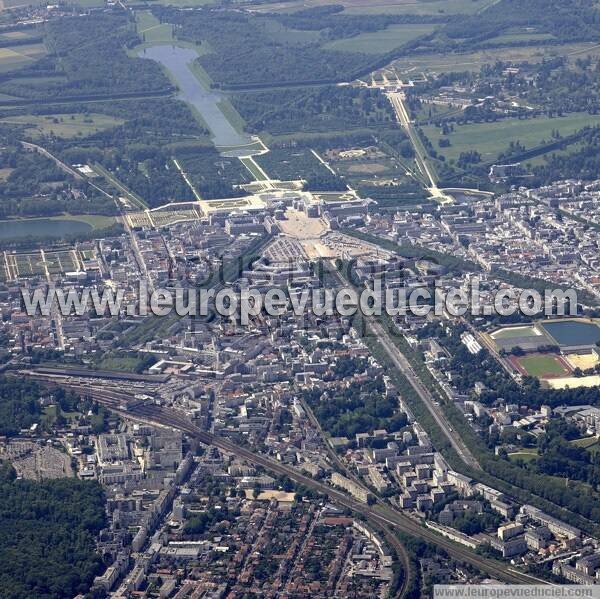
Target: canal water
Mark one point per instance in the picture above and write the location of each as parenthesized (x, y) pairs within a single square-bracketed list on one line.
[(178, 60)]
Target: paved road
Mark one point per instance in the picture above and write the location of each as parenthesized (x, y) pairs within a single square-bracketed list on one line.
[(403, 365), (424, 394), (59, 163), (396, 98)]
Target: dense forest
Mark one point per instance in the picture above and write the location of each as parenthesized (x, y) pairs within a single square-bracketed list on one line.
[(327, 108), (20, 403), (566, 20), (139, 152), (87, 56), (560, 457), (47, 536), (243, 55), (33, 185), (582, 163), (213, 175), (358, 408)]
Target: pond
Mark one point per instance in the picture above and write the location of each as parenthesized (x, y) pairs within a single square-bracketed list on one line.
[(41, 227), (178, 60)]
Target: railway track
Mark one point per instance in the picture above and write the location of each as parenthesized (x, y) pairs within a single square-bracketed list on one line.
[(380, 515)]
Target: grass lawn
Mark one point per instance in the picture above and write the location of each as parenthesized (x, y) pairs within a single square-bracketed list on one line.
[(515, 332), (280, 33), (97, 221), (151, 30), (585, 442), (541, 366), (64, 125), (526, 455), (490, 139), (50, 414), (379, 42), (250, 164), (119, 363), (591, 444)]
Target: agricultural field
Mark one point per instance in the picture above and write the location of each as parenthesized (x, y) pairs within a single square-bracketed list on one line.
[(66, 126), (185, 3), (393, 7), (24, 265), (473, 61), (19, 35), (15, 57), (381, 41), (520, 37), (491, 139), (90, 3)]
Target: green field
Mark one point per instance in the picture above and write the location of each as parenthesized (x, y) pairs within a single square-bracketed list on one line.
[(520, 38), (585, 442), (491, 139), (64, 125), (6, 4), (391, 7), (473, 61), (526, 455), (515, 332), (417, 7), (250, 164), (15, 57), (278, 32), (380, 41), (541, 366), (90, 3), (185, 3), (96, 221), (151, 30), (20, 35)]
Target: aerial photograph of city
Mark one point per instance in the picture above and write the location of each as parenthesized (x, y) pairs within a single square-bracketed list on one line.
[(300, 299)]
